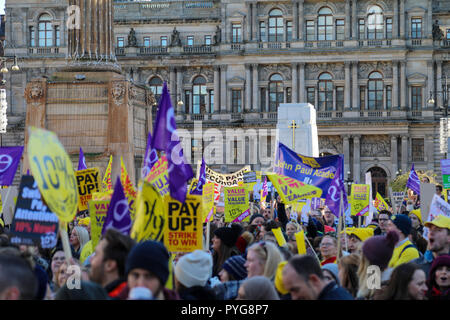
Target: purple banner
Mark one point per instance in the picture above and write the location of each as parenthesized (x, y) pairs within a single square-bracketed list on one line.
[(315, 203), (413, 181), (9, 161), (445, 166), (151, 157), (82, 161), (333, 198), (198, 189), (118, 216)]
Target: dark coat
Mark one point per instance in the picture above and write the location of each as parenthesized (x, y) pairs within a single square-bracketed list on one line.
[(197, 293), (333, 292)]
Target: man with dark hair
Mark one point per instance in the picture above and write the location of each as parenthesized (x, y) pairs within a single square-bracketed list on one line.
[(304, 280), (108, 263), (383, 219), (17, 279)]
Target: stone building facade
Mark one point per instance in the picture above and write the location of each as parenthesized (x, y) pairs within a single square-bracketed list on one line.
[(369, 68)]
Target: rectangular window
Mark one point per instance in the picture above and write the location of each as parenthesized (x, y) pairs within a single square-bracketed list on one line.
[(416, 28), (196, 148), (57, 36), (340, 98), (362, 97), (190, 41), (32, 37), (311, 95), (236, 33), (187, 101), (340, 29), (147, 42), (310, 32), (388, 28), (120, 42), (388, 97), (211, 100), (417, 149), (262, 31), (208, 40), (416, 98), (448, 34), (164, 41), (361, 28), (288, 30), (235, 151), (236, 101)]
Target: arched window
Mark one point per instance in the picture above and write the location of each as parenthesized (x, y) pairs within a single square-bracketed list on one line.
[(199, 97), (276, 95), (325, 92), (45, 30), (156, 85), (375, 91), (276, 26), (375, 25), (325, 24)]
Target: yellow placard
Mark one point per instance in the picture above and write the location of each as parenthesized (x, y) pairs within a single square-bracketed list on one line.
[(208, 201), (88, 181), (106, 182), (149, 223), (291, 190), (237, 207), (159, 176), (360, 199), (300, 239), (53, 172), (279, 236), (380, 204), (128, 188), (183, 232), (97, 211)]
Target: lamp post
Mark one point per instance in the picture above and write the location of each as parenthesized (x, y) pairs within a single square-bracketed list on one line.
[(348, 182)]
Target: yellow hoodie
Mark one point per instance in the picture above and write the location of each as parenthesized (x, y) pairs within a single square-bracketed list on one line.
[(402, 255)]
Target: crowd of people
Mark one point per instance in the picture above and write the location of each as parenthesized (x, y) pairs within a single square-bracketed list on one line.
[(389, 259)]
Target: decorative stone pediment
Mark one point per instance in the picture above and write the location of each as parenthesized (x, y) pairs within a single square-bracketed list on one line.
[(375, 146), (366, 68), (267, 70), (330, 144), (313, 70)]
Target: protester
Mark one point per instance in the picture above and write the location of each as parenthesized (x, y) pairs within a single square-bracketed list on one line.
[(439, 242), (257, 288), (328, 250), (78, 238), (58, 259), (348, 273), (224, 245), (280, 208), (192, 272), (257, 219), (86, 291), (147, 266), (263, 259), (233, 269), (329, 218), (292, 228), (407, 283), (383, 218), (439, 279), (404, 250), (331, 273), (416, 220), (304, 280), (108, 263), (418, 241), (244, 240), (17, 279), (356, 236), (266, 228)]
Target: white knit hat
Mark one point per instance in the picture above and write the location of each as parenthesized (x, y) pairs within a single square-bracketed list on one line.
[(194, 269)]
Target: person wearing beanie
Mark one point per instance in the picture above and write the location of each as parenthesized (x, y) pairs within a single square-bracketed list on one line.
[(224, 245), (257, 219), (244, 240), (404, 251), (192, 272), (147, 266), (356, 236), (257, 288), (331, 272), (233, 269), (439, 279), (416, 220)]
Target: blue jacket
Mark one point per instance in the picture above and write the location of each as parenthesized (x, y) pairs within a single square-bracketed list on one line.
[(333, 292)]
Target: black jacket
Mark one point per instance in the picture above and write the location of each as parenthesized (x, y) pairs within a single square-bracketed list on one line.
[(197, 293), (333, 292)]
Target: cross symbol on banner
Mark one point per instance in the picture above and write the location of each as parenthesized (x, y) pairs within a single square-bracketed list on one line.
[(293, 126)]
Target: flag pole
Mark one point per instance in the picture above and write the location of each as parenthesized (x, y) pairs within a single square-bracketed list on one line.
[(340, 227), (312, 248)]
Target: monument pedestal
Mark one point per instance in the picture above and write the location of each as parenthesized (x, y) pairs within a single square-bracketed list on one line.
[(297, 124)]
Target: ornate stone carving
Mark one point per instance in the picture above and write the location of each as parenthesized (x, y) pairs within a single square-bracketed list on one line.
[(267, 70), (331, 144), (36, 91), (375, 146), (118, 93), (365, 68), (149, 98), (133, 92), (189, 73), (313, 70)]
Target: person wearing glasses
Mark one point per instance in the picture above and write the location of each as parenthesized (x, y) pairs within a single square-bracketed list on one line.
[(383, 218)]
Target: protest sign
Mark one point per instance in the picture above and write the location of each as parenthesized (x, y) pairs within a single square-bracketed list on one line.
[(398, 199), (360, 200), (300, 239), (52, 169), (184, 231), (128, 188), (9, 161), (208, 201), (292, 190), (446, 193), (279, 236), (88, 182), (118, 216), (226, 180), (149, 223), (438, 207), (379, 203), (159, 176), (236, 204), (97, 211), (250, 177), (8, 202), (445, 168), (106, 182), (33, 222), (427, 192)]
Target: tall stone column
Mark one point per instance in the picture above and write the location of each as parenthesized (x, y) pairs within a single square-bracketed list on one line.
[(249, 22), (395, 24), (404, 153), (180, 90), (429, 151), (347, 89), (302, 89), (295, 22), (395, 91), (347, 19), (356, 158), (430, 19), (248, 88), (216, 89), (402, 19), (255, 106), (223, 89), (430, 82), (255, 21), (438, 83), (403, 85), (172, 85), (346, 145), (394, 153), (354, 23), (355, 87), (301, 20), (294, 83)]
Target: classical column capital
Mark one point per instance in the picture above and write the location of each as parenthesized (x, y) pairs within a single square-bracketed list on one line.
[(172, 69), (355, 63), (248, 65), (345, 136), (294, 64), (301, 64), (347, 64), (216, 68), (356, 136), (404, 136), (223, 67), (394, 137), (255, 65)]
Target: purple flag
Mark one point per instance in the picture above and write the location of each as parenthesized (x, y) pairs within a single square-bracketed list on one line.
[(9, 161), (413, 181), (151, 157), (265, 189), (198, 189), (118, 216), (165, 138), (81, 161), (337, 187)]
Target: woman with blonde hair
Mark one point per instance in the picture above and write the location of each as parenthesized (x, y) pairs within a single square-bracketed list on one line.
[(348, 273), (78, 238), (263, 259), (292, 228)]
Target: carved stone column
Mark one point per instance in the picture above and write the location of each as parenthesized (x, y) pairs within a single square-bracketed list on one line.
[(395, 91), (347, 19), (255, 28), (302, 88), (223, 89), (301, 20), (294, 83), (255, 106), (180, 90), (403, 85), (172, 86), (354, 23), (346, 145), (355, 87), (295, 22), (394, 153), (430, 82), (440, 102), (249, 21), (347, 89), (216, 89), (429, 151), (404, 153), (402, 19), (248, 88), (356, 158)]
